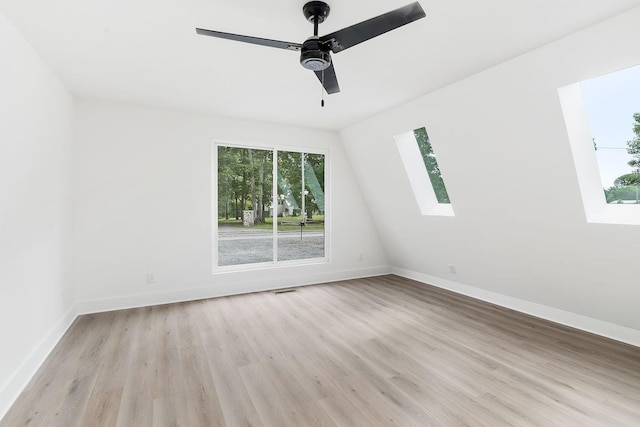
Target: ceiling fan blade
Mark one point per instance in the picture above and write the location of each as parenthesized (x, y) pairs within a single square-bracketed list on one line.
[(329, 80), (355, 34), (250, 39)]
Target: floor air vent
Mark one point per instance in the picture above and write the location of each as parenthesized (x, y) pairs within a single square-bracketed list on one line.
[(283, 291)]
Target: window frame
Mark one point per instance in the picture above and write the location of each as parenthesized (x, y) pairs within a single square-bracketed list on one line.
[(274, 263), (596, 208), (418, 176)]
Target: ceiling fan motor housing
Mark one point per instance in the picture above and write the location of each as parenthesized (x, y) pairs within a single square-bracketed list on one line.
[(314, 55)]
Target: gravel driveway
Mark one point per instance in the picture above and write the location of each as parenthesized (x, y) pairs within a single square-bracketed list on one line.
[(247, 246)]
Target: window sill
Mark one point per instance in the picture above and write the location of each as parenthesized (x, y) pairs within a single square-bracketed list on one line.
[(616, 214)]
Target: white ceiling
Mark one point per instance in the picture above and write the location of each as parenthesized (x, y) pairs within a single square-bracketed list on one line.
[(147, 52)]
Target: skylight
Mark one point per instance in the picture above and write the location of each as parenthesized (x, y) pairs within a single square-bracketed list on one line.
[(602, 116), (425, 176), (612, 103)]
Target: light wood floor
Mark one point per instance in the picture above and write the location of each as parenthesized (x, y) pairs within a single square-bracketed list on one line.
[(370, 352)]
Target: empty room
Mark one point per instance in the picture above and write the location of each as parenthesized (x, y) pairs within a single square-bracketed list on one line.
[(308, 213)]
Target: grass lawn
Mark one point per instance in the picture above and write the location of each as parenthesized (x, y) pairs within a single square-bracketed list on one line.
[(316, 224)]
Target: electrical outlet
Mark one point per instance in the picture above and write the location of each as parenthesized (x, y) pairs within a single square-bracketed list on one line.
[(452, 269), (151, 278)]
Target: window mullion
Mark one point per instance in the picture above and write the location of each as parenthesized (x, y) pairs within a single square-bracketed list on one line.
[(274, 202)]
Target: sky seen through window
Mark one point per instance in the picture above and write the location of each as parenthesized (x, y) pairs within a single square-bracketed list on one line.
[(610, 101)]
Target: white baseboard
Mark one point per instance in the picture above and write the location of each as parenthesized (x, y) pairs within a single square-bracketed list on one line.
[(234, 287), (10, 390), (578, 321)]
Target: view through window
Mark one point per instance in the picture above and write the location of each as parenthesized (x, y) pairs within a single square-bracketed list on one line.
[(271, 206), (423, 172), (430, 162), (612, 104)]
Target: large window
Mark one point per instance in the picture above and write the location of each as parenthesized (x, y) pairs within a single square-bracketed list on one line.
[(612, 103), (602, 117), (270, 206), (423, 171)]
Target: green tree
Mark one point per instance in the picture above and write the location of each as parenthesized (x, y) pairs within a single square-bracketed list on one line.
[(431, 164), (633, 146), (630, 179), (244, 181), (259, 173), (618, 194), (264, 164), (290, 177), (627, 179), (290, 170), (228, 181), (314, 182)]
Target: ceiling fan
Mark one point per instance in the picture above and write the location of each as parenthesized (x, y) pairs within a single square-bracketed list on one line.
[(315, 52)]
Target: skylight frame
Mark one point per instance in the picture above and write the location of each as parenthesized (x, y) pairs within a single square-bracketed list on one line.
[(418, 176), (594, 202)]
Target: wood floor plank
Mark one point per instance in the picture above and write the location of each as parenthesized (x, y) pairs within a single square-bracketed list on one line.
[(102, 409), (203, 406), (343, 412), (136, 403), (381, 351), (271, 406), (235, 402)]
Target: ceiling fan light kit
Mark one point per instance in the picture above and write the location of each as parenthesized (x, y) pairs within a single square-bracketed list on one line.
[(315, 52), (313, 56)]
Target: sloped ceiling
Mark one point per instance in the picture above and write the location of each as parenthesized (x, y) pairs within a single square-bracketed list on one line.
[(147, 52)]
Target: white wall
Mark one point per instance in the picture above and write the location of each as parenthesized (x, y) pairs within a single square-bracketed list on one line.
[(519, 229), (36, 303), (143, 195)]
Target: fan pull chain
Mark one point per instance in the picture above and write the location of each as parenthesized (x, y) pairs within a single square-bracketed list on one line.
[(322, 91)]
